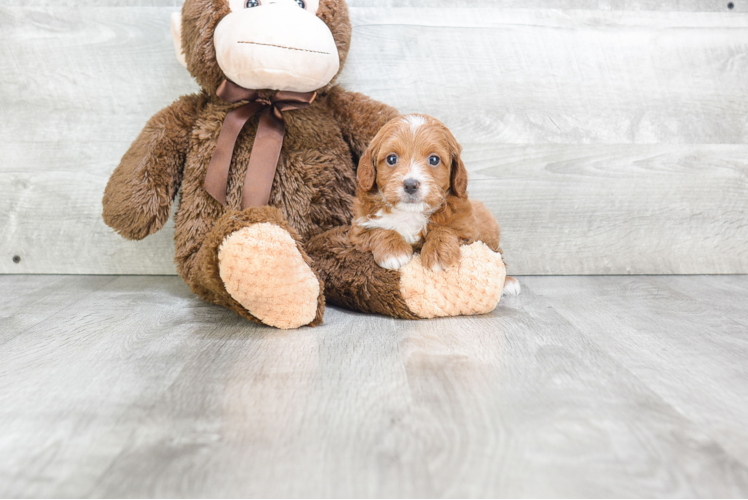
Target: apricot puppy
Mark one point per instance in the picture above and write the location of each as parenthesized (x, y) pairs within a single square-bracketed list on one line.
[(412, 195)]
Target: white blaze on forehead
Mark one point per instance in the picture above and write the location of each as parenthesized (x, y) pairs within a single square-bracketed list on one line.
[(415, 172), (418, 173), (418, 170), (415, 122)]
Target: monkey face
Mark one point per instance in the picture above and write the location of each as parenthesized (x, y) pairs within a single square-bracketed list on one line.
[(294, 45), (276, 44)]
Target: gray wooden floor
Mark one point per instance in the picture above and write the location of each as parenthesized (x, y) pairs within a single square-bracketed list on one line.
[(594, 386)]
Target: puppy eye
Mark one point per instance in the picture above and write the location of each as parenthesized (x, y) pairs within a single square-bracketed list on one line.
[(392, 160), (251, 3), (301, 4), (434, 160)]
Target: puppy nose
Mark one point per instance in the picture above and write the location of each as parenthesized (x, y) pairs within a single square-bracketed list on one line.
[(411, 186)]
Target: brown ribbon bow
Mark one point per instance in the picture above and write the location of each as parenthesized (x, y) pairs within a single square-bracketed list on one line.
[(268, 142)]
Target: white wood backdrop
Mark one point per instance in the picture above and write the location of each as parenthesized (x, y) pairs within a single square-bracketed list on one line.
[(609, 137)]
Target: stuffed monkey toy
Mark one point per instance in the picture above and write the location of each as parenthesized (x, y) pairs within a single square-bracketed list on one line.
[(264, 160)]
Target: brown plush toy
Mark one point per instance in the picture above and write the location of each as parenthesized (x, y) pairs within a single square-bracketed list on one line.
[(264, 159)]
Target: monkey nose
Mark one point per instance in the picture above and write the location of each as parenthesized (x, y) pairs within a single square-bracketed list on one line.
[(411, 186)]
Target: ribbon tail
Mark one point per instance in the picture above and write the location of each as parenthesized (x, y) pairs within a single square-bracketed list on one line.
[(264, 160), (231, 92), (217, 176)]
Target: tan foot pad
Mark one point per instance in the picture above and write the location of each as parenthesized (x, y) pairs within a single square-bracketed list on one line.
[(472, 287), (264, 271)]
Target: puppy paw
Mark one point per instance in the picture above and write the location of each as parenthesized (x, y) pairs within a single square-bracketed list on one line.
[(395, 261), (512, 286), (438, 256), (393, 254)]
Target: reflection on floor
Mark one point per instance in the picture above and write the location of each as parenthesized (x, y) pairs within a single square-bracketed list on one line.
[(581, 386)]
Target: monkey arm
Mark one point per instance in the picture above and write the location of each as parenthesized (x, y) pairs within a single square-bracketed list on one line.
[(359, 117), (140, 192)]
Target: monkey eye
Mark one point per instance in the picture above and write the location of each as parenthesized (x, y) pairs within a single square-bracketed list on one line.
[(251, 3), (434, 160), (301, 4), (392, 160)]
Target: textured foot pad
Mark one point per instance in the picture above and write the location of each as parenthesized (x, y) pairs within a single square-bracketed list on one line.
[(472, 287), (264, 271)]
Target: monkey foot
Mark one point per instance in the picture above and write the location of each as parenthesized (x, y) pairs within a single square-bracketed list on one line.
[(263, 269), (472, 287)]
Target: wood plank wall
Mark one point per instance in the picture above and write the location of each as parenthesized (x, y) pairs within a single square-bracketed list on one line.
[(609, 137)]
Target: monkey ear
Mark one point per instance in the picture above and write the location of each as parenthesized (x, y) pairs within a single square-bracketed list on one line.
[(458, 175), (367, 167), (176, 36)]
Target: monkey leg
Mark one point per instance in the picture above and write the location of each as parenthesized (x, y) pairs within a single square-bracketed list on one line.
[(253, 263), (354, 280)]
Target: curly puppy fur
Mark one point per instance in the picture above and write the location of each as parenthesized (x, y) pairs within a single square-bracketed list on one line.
[(412, 195)]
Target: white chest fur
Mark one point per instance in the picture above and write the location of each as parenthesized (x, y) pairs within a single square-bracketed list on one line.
[(409, 224)]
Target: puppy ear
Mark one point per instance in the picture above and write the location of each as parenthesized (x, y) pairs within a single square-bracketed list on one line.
[(458, 175), (367, 167)]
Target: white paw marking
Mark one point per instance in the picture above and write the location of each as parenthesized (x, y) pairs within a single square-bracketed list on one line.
[(437, 267), (512, 287), (395, 262)]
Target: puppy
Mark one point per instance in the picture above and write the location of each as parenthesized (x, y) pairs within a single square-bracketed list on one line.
[(412, 195)]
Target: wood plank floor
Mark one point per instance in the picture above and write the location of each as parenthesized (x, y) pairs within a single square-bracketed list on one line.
[(582, 386)]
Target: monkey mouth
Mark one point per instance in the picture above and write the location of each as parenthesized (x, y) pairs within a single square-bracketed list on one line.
[(287, 48)]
